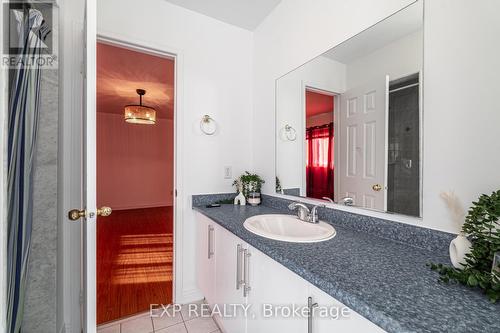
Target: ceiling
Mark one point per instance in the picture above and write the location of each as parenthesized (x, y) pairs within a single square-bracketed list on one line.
[(121, 71), (397, 26), (246, 14), (317, 103)]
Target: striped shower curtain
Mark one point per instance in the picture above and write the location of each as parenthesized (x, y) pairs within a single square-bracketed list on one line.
[(24, 101)]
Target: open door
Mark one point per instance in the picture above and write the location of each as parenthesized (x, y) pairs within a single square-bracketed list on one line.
[(86, 214), (363, 117), (89, 169)]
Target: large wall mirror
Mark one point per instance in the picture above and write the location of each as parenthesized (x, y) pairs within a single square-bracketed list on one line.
[(349, 122)]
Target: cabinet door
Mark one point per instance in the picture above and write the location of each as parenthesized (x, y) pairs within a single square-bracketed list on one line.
[(275, 291), (229, 299), (331, 315), (205, 258)]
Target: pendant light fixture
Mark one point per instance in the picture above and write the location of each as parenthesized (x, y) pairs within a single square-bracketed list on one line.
[(138, 113)]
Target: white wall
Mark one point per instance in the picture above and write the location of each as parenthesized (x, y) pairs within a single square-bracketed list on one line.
[(397, 59), (321, 73), (460, 103), (217, 72), (135, 165)]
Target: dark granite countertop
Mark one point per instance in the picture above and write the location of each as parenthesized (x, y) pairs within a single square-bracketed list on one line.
[(385, 281)]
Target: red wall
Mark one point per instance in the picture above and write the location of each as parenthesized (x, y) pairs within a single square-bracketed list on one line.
[(134, 163)]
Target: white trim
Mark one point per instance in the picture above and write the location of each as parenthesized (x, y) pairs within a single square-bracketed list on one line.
[(3, 184)]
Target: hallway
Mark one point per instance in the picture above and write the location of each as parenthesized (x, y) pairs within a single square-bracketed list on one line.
[(134, 261)]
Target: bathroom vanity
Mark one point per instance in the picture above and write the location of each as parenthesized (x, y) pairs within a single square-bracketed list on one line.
[(373, 273)]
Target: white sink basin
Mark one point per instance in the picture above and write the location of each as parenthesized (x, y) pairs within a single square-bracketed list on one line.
[(289, 228)]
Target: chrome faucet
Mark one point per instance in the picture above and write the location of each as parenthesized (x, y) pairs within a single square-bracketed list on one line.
[(303, 212)]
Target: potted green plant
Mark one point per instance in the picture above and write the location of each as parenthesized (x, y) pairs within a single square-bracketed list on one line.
[(249, 183), (482, 228)]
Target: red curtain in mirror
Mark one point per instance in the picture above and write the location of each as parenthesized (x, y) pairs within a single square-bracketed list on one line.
[(319, 164)]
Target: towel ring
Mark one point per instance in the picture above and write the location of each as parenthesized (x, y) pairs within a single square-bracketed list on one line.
[(290, 133), (208, 125)]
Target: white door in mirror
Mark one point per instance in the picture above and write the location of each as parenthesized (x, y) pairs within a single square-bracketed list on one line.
[(289, 228), (363, 115)]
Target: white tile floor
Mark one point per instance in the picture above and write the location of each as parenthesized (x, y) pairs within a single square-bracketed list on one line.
[(182, 322)]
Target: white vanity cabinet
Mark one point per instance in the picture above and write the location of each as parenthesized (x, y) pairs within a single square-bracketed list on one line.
[(230, 251), (275, 290), (205, 256), (231, 272), (339, 317)]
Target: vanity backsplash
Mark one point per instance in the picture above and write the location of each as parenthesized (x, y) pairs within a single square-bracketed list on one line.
[(423, 238)]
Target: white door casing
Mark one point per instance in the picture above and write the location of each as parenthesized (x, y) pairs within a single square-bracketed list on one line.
[(79, 113), (363, 122)]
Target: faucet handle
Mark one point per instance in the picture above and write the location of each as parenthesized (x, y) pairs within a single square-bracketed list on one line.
[(314, 213)]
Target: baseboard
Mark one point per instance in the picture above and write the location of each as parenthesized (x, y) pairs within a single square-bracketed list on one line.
[(153, 205), (190, 295)]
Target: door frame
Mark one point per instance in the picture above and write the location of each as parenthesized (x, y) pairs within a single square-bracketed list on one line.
[(71, 245), (319, 88)]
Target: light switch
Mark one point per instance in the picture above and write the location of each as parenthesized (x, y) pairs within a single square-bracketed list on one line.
[(228, 172)]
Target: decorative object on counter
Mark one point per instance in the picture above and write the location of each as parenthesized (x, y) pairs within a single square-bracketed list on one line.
[(208, 125), (483, 228), (250, 183), (290, 133), (278, 186), (254, 198), (460, 246), (240, 198)]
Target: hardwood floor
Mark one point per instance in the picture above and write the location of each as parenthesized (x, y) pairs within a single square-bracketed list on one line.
[(134, 261)]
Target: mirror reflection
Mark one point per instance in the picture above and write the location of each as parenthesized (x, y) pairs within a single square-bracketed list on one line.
[(349, 121)]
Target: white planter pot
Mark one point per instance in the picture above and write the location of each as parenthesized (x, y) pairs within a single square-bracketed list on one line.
[(459, 247)]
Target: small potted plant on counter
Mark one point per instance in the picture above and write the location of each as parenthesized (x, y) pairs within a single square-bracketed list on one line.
[(250, 185), (480, 268)]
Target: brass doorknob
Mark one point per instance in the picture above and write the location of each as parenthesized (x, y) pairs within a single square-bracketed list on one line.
[(75, 214), (377, 187), (104, 211)]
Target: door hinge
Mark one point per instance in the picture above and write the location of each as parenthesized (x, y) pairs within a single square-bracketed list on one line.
[(81, 298), (175, 193)]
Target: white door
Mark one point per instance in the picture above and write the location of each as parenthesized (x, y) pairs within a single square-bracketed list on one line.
[(205, 262), (89, 170), (274, 285), (362, 161), (227, 273)]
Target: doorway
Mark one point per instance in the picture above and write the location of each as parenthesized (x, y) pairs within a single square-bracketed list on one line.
[(135, 177), (319, 144), (403, 164)]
